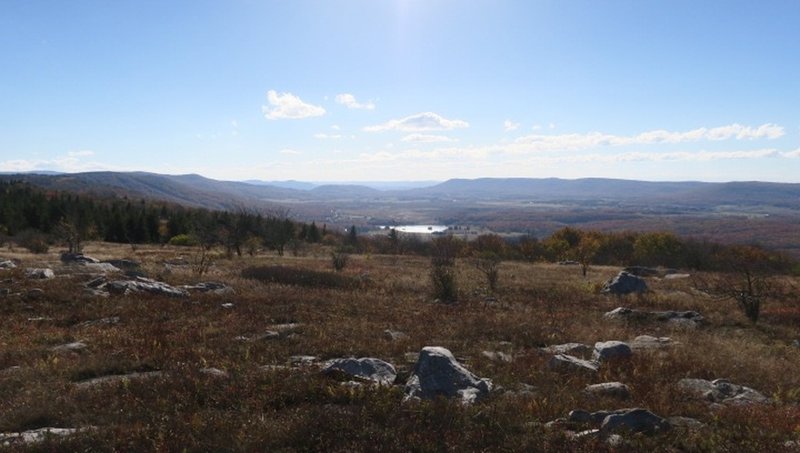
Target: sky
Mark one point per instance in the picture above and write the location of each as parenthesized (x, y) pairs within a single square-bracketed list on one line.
[(403, 90)]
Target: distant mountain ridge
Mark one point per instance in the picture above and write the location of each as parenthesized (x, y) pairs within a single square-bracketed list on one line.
[(199, 191)]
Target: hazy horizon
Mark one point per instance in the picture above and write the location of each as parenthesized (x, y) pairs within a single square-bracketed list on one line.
[(403, 90)]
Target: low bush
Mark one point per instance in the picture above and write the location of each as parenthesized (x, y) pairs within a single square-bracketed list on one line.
[(299, 277), (183, 240)]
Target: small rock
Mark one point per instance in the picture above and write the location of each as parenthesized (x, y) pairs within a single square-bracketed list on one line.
[(141, 284), (7, 264), (100, 322), (616, 390), (676, 276), (302, 360), (645, 342), (634, 420), (214, 372), (497, 356), (210, 287), (117, 378), (76, 346), (568, 348), (722, 391), (366, 368), (78, 258), (568, 363), (105, 268), (40, 273), (686, 423), (611, 350), (34, 293), (34, 436), (227, 305), (395, 335)]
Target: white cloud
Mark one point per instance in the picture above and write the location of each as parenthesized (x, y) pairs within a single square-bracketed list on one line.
[(427, 138), (323, 136), (289, 106), (509, 126), (792, 154), (336, 127), (71, 162), (421, 122), (81, 153), (349, 101), (290, 152)]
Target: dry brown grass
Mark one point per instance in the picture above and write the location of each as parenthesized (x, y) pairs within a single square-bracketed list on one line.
[(253, 409)]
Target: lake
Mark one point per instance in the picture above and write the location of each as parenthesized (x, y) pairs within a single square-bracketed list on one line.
[(418, 229)]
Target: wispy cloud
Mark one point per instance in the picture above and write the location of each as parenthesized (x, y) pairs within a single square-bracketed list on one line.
[(427, 138), (509, 126), (289, 106), (71, 162), (349, 101), (421, 122), (290, 152)]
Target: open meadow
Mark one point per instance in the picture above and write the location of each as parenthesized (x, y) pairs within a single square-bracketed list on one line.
[(239, 367)]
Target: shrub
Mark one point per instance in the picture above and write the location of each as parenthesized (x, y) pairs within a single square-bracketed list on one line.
[(339, 260), (33, 240), (183, 240), (443, 279), (299, 277)]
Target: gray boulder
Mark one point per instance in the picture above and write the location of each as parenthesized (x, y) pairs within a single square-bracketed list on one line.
[(688, 319), (722, 391), (647, 342), (104, 268), (141, 284), (611, 350), (437, 372), (7, 264), (634, 420), (616, 390), (40, 273), (624, 283), (77, 258), (570, 364), (76, 346), (365, 368)]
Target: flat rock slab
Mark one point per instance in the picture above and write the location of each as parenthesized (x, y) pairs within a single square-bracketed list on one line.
[(647, 342), (117, 378), (78, 258), (571, 364), (437, 372), (7, 264), (615, 390), (573, 349), (34, 436), (689, 319), (76, 346), (214, 372), (722, 391), (634, 421), (105, 268), (497, 356), (209, 287), (141, 284), (611, 350), (395, 335), (40, 273), (365, 368)]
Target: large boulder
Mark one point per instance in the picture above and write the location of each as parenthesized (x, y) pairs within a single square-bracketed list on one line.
[(141, 284), (611, 350), (722, 391), (365, 368), (437, 372), (625, 283), (568, 363)]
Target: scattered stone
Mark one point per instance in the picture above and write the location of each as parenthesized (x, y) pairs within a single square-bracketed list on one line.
[(365, 368), (268, 335), (583, 417), (634, 420), (34, 436), (274, 368), (722, 391), (647, 342), (568, 348), (686, 423), (77, 258), (214, 372), (40, 319), (676, 276), (611, 350), (438, 373), (624, 283), (141, 284), (642, 271), (7, 264), (40, 273), (117, 378), (76, 346), (689, 319), (105, 268), (395, 335), (616, 390), (497, 356), (227, 305), (210, 287), (568, 363), (96, 282), (101, 322), (285, 328), (303, 360), (34, 293)]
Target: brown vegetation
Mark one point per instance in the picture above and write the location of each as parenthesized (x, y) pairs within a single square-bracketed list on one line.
[(275, 408)]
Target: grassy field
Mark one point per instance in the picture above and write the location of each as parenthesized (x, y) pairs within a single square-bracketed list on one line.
[(281, 408)]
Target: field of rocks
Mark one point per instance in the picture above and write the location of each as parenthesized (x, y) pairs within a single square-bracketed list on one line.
[(143, 350)]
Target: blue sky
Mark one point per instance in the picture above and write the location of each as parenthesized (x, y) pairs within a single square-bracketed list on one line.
[(368, 90)]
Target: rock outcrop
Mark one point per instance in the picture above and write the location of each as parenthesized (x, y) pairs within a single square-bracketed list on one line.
[(625, 283), (568, 363), (688, 319), (437, 372), (611, 350), (365, 368), (722, 391)]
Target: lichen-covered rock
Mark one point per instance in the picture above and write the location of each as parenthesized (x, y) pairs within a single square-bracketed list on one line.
[(40, 273), (611, 350), (573, 349), (568, 363), (209, 287), (141, 284), (625, 283), (647, 342), (688, 319), (635, 421), (722, 391), (616, 390), (366, 368), (7, 264), (437, 372)]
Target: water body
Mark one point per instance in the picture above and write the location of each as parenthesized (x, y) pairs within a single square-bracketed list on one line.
[(419, 229)]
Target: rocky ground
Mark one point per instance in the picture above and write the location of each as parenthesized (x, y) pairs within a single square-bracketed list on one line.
[(121, 349)]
